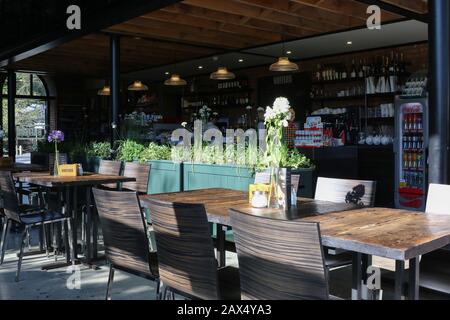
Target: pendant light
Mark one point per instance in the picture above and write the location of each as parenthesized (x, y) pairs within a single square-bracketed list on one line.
[(137, 86), (175, 80), (105, 91), (222, 73), (284, 64)]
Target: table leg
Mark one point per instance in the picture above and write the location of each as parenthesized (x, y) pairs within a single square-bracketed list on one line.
[(414, 273), (75, 222), (95, 234), (88, 226), (221, 250), (356, 276), (69, 229), (399, 280)]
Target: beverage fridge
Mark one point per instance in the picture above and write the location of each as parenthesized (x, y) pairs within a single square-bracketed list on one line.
[(411, 147)]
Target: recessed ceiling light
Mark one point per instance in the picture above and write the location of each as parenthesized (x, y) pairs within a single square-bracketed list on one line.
[(200, 67), (241, 60), (349, 43), (167, 73), (289, 52)]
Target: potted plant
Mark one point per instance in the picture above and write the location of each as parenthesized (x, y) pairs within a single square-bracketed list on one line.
[(95, 152), (166, 174)]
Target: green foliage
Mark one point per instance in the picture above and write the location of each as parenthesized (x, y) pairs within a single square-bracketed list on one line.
[(154, 152), (294, 159), (99, 149), (129, 150)]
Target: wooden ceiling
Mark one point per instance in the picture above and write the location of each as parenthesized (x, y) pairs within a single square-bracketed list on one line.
[(196, 28)]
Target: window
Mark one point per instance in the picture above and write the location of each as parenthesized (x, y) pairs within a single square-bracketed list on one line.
[(31, 113)]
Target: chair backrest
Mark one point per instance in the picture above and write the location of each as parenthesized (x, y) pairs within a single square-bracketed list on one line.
[(63, 159), (279, 260), (142, 174), (124, 231), (110, 168), (438, 201), (9, 196), (185, 249), (346, 191)]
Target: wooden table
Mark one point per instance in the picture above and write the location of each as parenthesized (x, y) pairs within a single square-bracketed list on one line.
[(395, 234), (219, 201), (21, 167), (70, 185)]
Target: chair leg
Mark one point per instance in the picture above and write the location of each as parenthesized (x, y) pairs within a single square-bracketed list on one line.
[(158, 289), (44, 239), (22, 245), (110, 282), (6, 225)]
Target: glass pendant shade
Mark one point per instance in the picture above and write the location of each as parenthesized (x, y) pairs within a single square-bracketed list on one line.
[(284, 65), (222, 74), (137, 86), (105, 91), (175, 80)]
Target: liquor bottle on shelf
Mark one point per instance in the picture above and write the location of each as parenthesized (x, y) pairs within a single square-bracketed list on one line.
[(353, 74), (361, 74)]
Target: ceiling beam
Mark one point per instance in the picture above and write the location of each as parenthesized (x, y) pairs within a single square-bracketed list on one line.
[(106, 18)]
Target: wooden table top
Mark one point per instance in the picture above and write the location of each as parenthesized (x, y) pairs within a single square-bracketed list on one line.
[(389, 233), (219, 201), (21, 167), (88, 179)]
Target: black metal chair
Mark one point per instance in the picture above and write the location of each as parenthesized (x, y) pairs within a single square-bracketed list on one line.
[(13, 213), (187, 265), (125, 236)]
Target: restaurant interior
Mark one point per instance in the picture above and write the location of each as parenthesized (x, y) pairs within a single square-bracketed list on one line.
[(127, 132)]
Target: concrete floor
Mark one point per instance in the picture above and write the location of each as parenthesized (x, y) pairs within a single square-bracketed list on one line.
[(36, 284)]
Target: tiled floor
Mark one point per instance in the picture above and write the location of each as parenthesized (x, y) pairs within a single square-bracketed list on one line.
[(56, 284)]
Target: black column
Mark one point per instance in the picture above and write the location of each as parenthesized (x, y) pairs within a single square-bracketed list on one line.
[(115, 86), (12, 114), (439, 37)]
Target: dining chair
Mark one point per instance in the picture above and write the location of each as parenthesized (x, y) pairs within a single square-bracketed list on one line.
[(142, 174), (357, 192), (27, 220), (279, 260), (187, 265), (31, 191), (110, 168), (346, 191), (438, 199), (125, 236)]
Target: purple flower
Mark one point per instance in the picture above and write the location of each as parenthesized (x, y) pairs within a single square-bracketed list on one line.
[(56, 136)]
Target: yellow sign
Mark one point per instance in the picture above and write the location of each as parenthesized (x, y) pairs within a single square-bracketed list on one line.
[(68, 170)]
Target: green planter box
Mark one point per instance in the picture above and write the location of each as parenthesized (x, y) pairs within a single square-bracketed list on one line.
[(206, 176), (92, 164), (165, 176)]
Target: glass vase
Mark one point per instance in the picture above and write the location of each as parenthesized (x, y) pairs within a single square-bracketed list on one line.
[(56, 164)]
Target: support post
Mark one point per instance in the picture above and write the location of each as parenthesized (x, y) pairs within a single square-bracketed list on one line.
[(12, 114), (439, 37), (115, 87)]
